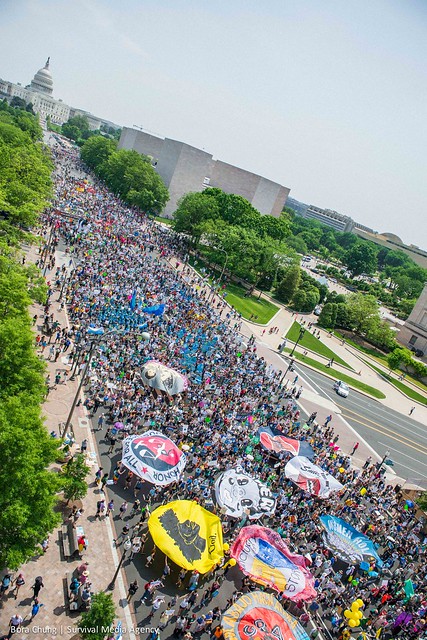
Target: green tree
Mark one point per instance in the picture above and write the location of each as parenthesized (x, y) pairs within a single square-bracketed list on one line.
[(234, 209), (193, 210), (96, 151), (361, 258), (396, 258), (100, 616), (278, 228), (28, 494), (422, 501), (71, 131), (362, 311), (342, 316), (312, 299), (25, 168), (299, 300), (74, 477), (418, 369), (289, 284), (18, 103), (298, 243), (76, 128), (395, 359), (328, 316)]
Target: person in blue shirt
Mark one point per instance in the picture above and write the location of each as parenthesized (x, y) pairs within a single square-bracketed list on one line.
[(5, 584), (35, 609)]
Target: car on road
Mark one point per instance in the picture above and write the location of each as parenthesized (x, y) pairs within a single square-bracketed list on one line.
[(341, 388)]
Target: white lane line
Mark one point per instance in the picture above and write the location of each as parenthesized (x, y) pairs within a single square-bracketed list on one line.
[(402, 454), (355, 433), (396, 428), (375, 412)]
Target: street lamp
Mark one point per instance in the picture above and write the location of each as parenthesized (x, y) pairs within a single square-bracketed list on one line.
[(301, 333), (96, 333), (386, 460), (290, 365), (222, 270), (126, 546)]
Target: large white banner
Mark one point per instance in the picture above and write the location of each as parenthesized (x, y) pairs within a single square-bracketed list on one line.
[(311, 478), (153, 457), (237, 493)]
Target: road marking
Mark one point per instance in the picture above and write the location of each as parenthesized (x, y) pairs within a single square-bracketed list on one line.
[(393, 437), (386, 427), (349, 427), (414, 427), (403, 454)]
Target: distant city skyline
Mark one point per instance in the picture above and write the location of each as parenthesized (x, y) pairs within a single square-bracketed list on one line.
[(328, 98)]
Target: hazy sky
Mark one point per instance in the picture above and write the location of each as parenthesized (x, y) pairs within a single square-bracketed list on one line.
[(328, 97)]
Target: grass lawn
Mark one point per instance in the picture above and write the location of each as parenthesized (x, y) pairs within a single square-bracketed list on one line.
[(375, 355), (401, 385), (262, 308), (167, 221), (352, 382), (314, 344)]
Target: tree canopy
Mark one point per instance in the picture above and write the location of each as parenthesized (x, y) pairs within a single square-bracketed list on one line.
[(25, 167), (29, 488), (126, 173)]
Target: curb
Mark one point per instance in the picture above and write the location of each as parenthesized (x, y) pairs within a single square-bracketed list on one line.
[(371, 367), (318, 355), (365, 393), (417, 402)]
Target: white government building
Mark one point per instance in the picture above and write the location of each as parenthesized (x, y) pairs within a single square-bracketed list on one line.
[(39, 93)]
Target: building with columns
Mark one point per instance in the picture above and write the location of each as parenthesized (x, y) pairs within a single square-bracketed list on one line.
[(40, 93), (413, 334)]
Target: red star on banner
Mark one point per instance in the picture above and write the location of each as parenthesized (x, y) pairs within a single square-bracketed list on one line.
[(144, 469)]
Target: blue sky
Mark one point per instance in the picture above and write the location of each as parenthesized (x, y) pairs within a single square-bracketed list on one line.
[(328, 97)]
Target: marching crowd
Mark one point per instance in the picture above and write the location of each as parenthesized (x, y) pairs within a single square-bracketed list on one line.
[(120, 262)]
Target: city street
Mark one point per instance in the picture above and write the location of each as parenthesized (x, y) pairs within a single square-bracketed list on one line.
[(382, 428)]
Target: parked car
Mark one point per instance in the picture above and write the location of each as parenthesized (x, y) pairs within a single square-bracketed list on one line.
[(341, 388), (317, 310)]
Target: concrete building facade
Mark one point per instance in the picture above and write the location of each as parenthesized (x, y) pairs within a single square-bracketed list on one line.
[(337, 221), (414, 332), (184, 168)]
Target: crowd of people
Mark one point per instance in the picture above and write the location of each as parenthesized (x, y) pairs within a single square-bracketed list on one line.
[(120, 262)]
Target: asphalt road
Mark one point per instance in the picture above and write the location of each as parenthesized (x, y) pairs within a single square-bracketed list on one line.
[(135, 569), (382, 428)]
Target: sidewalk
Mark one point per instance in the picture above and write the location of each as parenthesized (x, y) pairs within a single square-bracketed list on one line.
[(101, 555), (394, 398)]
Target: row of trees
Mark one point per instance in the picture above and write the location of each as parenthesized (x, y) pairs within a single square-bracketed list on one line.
[(25, 168), (29, 489), (78, 130), (299, 290), (229, 231), (127, 173), (359, 313), (401, 358), (401, 280)]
